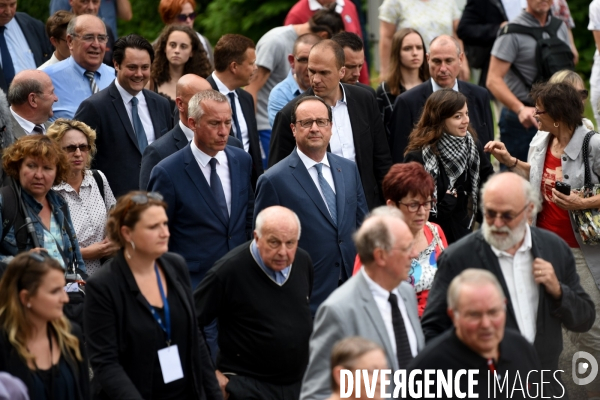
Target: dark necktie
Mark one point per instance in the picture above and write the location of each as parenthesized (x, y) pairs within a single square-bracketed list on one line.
[(217, 188), (137, 126), (402, 346), (92, 79), (8, 68), (38, 130), (328, 193), (236, 123)]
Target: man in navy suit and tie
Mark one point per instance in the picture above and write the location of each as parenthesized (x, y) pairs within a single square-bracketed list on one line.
[(324, 190), (207, 188)]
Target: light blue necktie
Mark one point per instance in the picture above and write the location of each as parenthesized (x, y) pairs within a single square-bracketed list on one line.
[(137, 126), (328, 193)]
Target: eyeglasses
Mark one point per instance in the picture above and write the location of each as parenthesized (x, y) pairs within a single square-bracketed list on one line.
[(92, 38), (184, 17), (307, 123), (539, 112), (303, 60), (506, 217), (584, 94), (476, 316), (140, 199), (73, 148), (414, 206)]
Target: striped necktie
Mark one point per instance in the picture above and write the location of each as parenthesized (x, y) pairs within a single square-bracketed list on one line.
[(93, 86)]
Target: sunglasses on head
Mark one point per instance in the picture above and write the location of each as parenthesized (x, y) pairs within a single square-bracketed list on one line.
[(140, 199), (184, 17)]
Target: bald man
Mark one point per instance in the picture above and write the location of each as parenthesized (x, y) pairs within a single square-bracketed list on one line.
[(178, 137), (31, 96)]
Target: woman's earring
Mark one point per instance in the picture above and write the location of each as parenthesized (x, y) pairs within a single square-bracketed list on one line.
[(28, 305), (132, 245), (556, 125)]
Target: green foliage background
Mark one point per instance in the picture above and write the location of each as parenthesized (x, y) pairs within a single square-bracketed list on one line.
[(253, 18)]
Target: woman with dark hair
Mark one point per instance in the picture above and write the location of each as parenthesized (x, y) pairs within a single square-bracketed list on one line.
[(38, 344), (408, 68), (410, 188), (555, 155), (35, 163), (139, 317), (447, 146), (177, 52)]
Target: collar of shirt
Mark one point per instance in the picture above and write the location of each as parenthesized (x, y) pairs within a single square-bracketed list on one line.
[(377, 291), (189, 134), (80, 70), (309, 162), (343, 99), (314, 5), (126, 96), (284, 273), (26, 125), (293, 85), (437, 87), (65, 187), (204, 158), (221, 86), (525, 246)]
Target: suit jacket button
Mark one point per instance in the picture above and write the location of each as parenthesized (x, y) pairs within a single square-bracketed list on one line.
[(566, 176), (564, 158)]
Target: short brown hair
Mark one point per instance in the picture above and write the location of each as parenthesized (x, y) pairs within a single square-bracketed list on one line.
[(346, 351), (127, 213), (56, 25), (57, 131), (36, 146), (170, 9), (231, 48), (307, 38), (561, 101), (404, 179)]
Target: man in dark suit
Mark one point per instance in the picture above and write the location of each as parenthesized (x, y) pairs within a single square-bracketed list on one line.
[(258, 292), (536, 270), (23, 42), (31, 95), (178, 137), (359, 135), (324, 190), (126, 116), (234, 66), (207, 187), (445, 60), (354, 55)]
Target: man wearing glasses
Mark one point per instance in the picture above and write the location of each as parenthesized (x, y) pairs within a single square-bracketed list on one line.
[(83, 74), (535, 268)]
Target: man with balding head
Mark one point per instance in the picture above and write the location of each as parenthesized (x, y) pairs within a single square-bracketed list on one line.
[(445, 59), (31, 96), (535, 268), (83, 74), (178, 137), (259, 292), (377, 303)]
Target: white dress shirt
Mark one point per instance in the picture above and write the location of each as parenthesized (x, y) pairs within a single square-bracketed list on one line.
[(189, 134), (314, 5), (381, 297), (222, 167), (342, 141), (26, 125), (523, 291), (437, 87), (143, 111), (238, 111), (21, 54), (309, 163)]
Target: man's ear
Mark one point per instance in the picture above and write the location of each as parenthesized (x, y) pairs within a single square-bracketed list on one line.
[(291, 60), (451, 313), (293, 126)]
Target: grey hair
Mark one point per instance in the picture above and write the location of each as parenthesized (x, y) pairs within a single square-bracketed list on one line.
[(447, 37), (531, 195), (260, 220), (471, 276), (376, 235), (195, 110), (73, 23), (20, 90)]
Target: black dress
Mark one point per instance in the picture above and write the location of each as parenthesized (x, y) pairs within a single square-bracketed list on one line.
[(56, 383)]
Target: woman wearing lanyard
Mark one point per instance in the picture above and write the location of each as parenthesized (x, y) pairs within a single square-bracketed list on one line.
[(141, 329)]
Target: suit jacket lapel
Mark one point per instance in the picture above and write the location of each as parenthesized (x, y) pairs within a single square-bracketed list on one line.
[(340, 188), (537, 249), (180, 139), (154, 114), (32, 39), (117, 101), (193, 170), (235, 176)]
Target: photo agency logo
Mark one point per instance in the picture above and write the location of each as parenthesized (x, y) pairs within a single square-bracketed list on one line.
[(584, 368)]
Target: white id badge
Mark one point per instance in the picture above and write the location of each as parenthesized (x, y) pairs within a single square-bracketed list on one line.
[(170, 364)]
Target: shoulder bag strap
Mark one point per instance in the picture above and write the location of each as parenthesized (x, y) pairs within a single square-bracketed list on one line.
[(585, 155), (99, 182)]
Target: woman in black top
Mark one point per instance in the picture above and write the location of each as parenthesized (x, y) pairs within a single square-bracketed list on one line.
[(37, 343), (140, 306), (447, 146)]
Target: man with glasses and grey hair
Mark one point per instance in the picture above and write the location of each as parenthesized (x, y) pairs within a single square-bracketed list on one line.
[(535, 268), (83, 74)]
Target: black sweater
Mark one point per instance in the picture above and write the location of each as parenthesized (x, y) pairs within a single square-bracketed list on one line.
[(264, 328)]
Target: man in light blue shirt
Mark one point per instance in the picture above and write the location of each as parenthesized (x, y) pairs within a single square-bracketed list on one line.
[(83, 74), (297, 80)]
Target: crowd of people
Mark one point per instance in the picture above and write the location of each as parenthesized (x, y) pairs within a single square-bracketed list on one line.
[(250, 220)]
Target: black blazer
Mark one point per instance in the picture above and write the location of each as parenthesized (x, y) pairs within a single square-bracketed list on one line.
[(116, 314), (169, 143), (575, 309), (118, 154), (478, 29), (39, 44), (247, 103), (409, 106), (370, 141), (11, 362)]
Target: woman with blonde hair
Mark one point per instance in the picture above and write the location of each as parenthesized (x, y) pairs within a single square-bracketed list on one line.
[(85, 190), (38, 344), (574, 79)]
